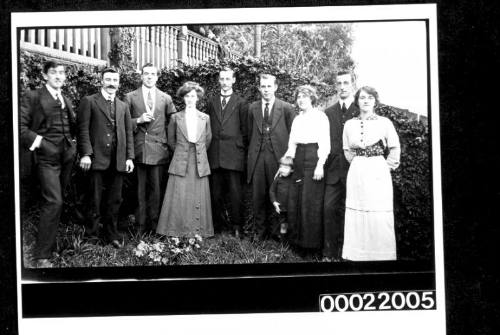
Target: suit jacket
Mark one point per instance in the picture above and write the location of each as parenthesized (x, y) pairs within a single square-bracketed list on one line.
[(95, 132), (178, 141), (33, 117), (150, 139), (336, 165), (229, 133), (282, 115)]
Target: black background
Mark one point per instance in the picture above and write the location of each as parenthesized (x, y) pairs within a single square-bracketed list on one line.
[(468, 75)]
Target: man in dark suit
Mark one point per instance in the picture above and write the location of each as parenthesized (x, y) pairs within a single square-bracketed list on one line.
[(336, 167), (226, 154), (106, 147), (47, 127), (150, 109), (269, 122)]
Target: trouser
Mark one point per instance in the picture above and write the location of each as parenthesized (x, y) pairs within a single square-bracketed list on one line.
[(54, 171), (333, 218), (149, 180), (226, 185), (105, 184), (263, 175)]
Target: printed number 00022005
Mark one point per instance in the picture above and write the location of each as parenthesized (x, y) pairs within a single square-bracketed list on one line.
[(378, 301)]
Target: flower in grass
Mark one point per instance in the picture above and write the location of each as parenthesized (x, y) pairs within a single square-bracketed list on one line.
[(155, 256), (164, 260), (141, 249), (191, 241), (175, 240), (198, 238), (158, 246), (188, 249), (176, 250), (197, 246)]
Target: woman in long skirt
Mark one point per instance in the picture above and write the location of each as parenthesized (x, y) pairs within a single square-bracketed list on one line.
[(186, 209), (309, 145), (369, 220)]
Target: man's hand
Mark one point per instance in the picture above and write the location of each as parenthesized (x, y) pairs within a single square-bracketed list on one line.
[(129, 166), (145, 118), (85, 163), (318, 173), (277, 207)]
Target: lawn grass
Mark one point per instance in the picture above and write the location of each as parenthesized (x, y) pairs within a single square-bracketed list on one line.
[(76, 251)]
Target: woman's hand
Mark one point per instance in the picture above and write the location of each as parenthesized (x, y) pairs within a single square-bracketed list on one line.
[(318, 173), (277, 207)]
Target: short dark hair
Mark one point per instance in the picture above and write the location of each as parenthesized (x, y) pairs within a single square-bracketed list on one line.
[(149, 65), (309, 91), (108, 70), (268, 76), (227, 68), (345, 72), (188, 86), (50, 65), (367, 89)]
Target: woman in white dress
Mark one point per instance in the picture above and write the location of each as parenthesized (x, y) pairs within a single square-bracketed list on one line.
[(369, 220)]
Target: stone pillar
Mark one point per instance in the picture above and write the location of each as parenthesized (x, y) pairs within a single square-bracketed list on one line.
[(182, 47), (105, 44)]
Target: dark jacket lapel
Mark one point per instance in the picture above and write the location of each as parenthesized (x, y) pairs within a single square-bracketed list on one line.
[(217, 107), (182, 124), (103, 105), (229, 108), (257, 115), (45, 99), (276, 112)]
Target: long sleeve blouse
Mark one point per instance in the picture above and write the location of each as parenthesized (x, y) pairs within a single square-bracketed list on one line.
[(359, 134), (310, 127)]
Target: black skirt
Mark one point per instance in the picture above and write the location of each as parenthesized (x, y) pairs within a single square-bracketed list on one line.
[(305, 202)]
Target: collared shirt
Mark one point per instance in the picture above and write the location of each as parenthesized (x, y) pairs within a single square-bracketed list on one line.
[(310, 127), (107, 96), (230, 92), (145, 92), (192, 124), (56, 94), (271, 103), (348, 101)]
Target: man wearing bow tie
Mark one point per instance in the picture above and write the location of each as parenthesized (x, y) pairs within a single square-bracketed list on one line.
[(150, 109), (226, 154), (336, 167), (106, 147), (47, 127), (269, 121)]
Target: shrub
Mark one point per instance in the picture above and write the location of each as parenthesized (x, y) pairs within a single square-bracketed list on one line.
[(412, 181)]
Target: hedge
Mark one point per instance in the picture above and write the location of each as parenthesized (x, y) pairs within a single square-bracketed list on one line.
[(412, 180)]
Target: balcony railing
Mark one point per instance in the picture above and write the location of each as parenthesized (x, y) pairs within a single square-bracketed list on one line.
[(164, 46)]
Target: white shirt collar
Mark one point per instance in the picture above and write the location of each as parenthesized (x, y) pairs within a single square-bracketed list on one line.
[(271, 103), (107, 96), (227, 93), (145, 90), (348, 101), (53, 91)]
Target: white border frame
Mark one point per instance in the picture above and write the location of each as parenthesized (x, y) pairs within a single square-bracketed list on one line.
[(407, 322)]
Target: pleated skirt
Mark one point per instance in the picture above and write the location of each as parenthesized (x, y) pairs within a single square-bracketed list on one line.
[(369, 219), (186, 209)]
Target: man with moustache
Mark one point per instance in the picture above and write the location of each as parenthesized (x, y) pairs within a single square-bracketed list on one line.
[(48, 129), (269, 121), (226, 154), (150, 109), (336, 167), (106, 147)]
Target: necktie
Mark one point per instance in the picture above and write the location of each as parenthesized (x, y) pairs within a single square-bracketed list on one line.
[(266, 113), (59, 100), (111, 109), (344, 109), (224, 102), (150, 101)]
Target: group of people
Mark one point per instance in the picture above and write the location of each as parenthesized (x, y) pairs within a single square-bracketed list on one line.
[(313, 168)]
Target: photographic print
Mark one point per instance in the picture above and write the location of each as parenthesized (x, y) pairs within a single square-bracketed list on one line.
[(197, 149)]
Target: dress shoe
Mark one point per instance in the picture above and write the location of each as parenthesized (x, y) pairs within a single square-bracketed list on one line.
[(116, 244), (43, 263)]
